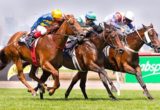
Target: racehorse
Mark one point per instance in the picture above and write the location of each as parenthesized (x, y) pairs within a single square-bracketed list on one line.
[(128, 61), (89, 56), (48, 51)]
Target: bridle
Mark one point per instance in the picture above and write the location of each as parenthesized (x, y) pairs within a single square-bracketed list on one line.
[(147, 40), (73, 28)]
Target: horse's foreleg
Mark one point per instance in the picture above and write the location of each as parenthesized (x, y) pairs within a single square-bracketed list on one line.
[(73, 82), (21, 76), (103, 76), (137, 73), (33, 76), (143, 85), (83, 84), (47, 66)]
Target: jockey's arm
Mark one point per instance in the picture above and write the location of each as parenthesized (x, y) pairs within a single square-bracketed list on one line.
[(53, 28), (131, 26), (97, 28), (40, 20), (36, 24)]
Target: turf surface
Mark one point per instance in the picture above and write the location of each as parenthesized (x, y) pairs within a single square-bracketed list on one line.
[(19, 99)]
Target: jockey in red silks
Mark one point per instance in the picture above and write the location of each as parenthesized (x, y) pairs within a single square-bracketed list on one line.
[(39, 27), (121, 21)]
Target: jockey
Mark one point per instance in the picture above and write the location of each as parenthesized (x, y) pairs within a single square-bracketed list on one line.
[(90, 21), (122, 22), (89, 24), (39, 27)]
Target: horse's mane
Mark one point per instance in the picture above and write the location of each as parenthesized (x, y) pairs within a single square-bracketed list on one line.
[(133, 33)]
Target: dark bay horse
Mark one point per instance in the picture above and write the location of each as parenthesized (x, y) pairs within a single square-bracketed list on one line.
[(48, 51), (89, 56), (128, 62)]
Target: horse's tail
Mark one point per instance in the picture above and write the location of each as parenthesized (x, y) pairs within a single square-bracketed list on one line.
[(4, 60)]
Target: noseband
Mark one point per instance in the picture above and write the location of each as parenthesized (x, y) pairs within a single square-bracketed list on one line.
[(147, 40)]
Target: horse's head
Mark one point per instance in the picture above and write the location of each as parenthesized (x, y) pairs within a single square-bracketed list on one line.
[(3, 59), (73, 27), (112, 38), (151, 38)]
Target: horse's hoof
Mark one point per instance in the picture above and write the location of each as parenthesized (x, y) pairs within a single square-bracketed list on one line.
[(41, 96), (86, 98), (150, 98), (34, 94), (51, 92), (29, 90), (66, 96), (113, 98)]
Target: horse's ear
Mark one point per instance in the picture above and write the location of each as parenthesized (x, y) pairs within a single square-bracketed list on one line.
[(106, 25), (145, 27), (151, 25), (65, 16)]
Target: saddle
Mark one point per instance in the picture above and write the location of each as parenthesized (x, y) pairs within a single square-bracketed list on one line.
[(69, 47)]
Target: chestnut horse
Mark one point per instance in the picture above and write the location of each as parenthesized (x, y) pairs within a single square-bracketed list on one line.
[(48, 51), (89, 56), (128, 62)]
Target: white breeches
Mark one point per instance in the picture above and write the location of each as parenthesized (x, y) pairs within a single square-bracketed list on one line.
[(41, 29)]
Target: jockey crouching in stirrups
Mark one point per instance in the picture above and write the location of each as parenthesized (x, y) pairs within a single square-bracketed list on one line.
[(122, 22), (40, 27), (88, 22)]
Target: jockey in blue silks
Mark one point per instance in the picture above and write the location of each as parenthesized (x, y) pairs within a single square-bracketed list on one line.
[(39, 27)]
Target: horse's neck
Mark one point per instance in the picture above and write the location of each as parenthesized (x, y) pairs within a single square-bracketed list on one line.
[(98, 41), (134, 41), (60, 36)]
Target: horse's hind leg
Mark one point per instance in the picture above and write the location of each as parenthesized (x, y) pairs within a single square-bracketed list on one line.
[(73, 82), (33, 76), (43, 78), (83, 84), (103, 76), (21, 76), (47, 66)]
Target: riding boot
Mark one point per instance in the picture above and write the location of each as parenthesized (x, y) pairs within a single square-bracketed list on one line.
[(29, 40)]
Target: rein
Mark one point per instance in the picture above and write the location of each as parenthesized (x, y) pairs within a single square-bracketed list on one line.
[(65, 35)]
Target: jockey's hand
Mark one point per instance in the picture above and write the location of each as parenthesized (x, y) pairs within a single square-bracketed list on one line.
[(122, 30)]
